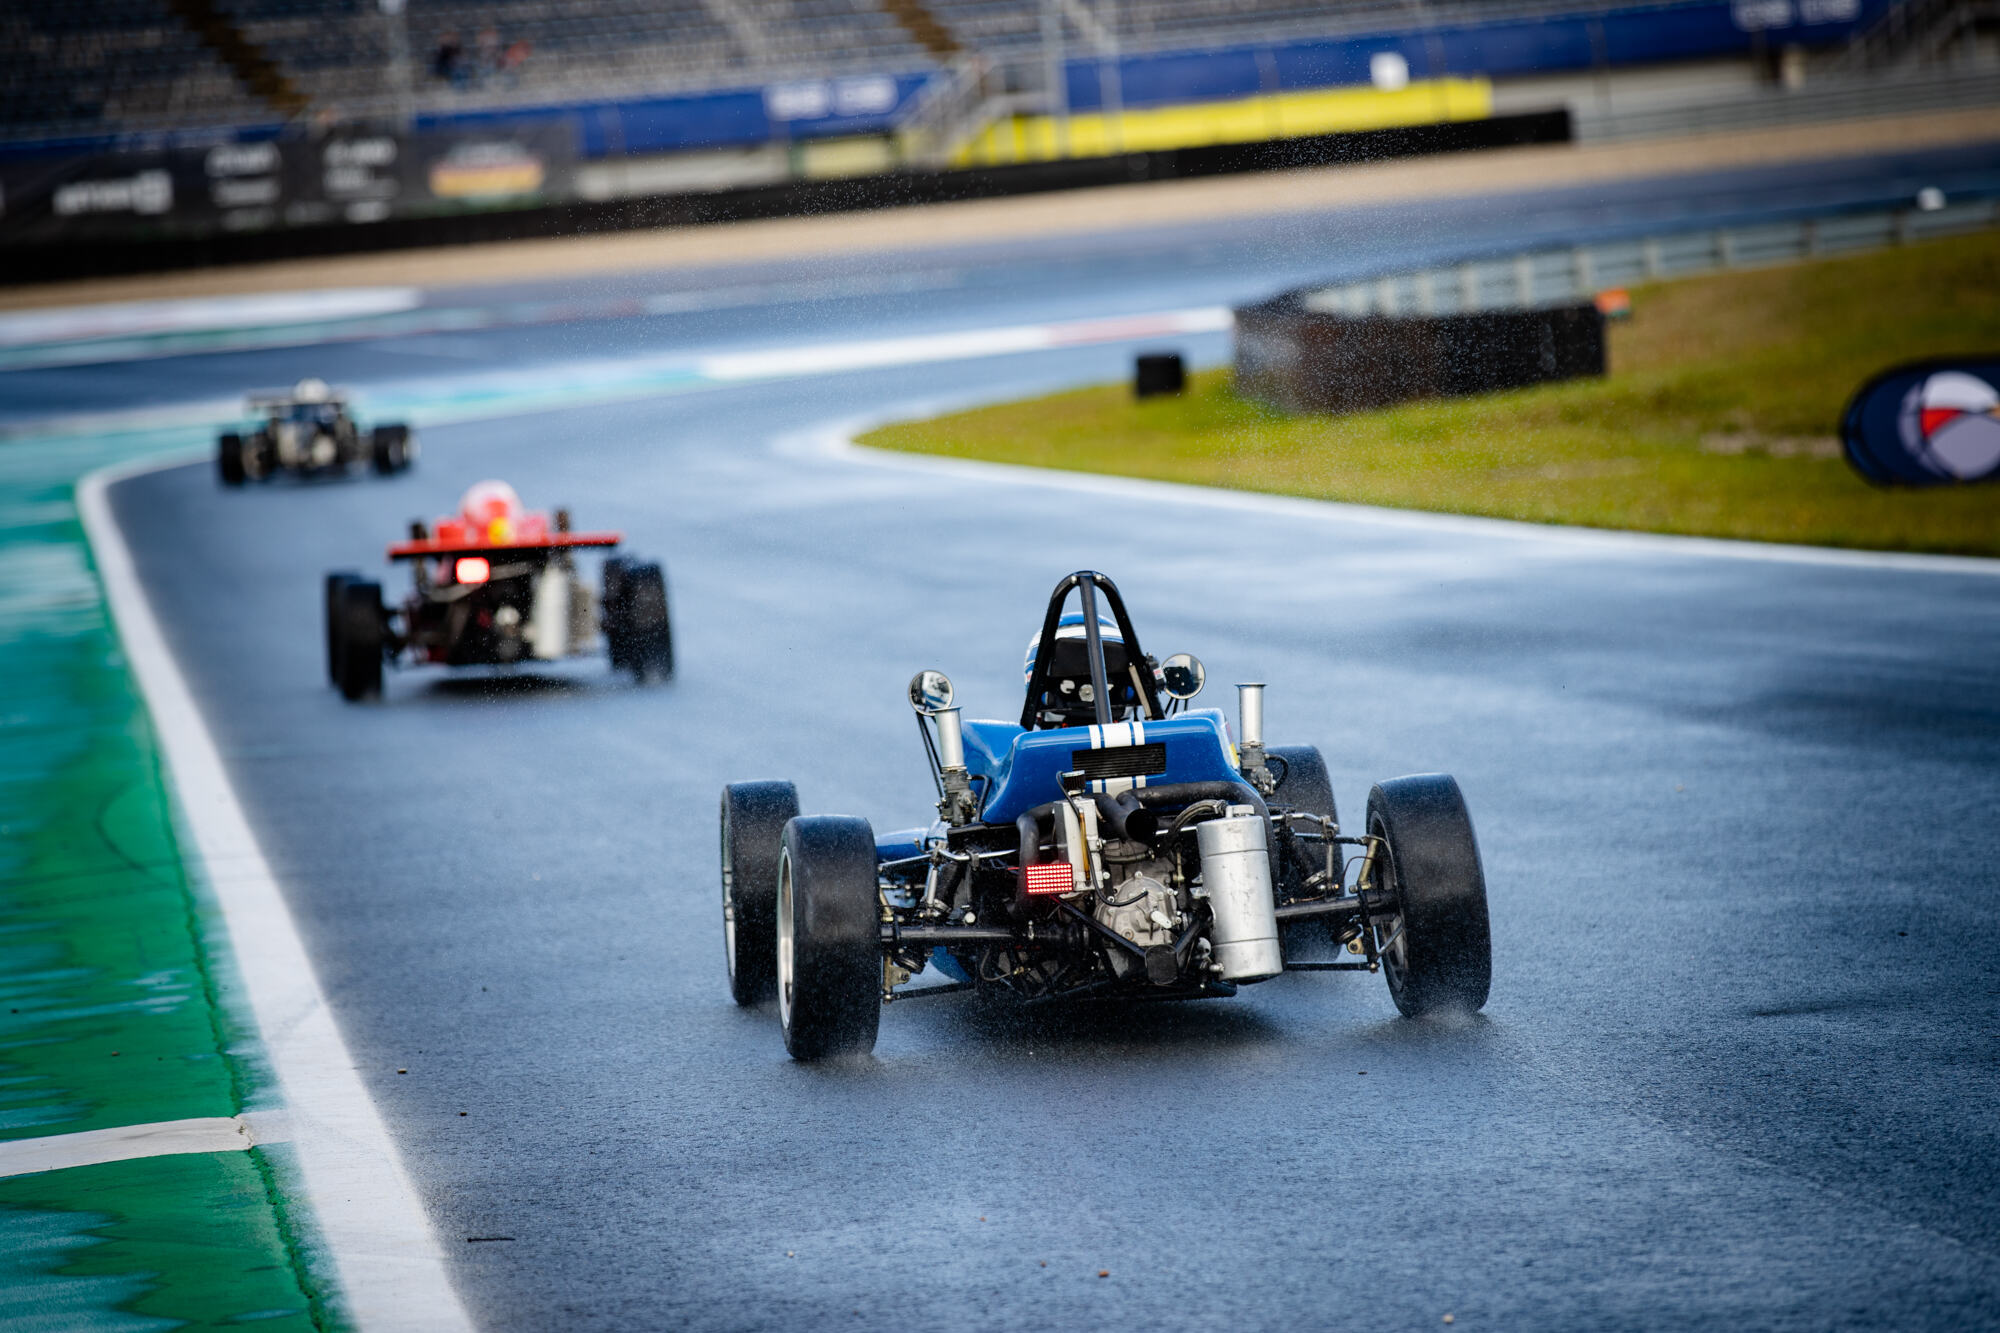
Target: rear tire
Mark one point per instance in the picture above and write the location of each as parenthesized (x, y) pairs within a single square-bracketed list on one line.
[(229, 459), (617, 639), (1305, 784), (389, 446), (754, 815), (1443, 959), (648, 627), (360, 665), (334, 583), (829, 952)]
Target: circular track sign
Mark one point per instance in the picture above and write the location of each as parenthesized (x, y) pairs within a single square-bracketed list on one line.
[(1929, 423)]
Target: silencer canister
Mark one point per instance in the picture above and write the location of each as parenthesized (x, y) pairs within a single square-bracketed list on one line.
[(1236, 877)]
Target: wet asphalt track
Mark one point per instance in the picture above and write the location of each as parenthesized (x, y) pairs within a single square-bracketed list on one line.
[(1738, 821)]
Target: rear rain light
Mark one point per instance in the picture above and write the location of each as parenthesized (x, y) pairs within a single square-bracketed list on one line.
[(472, 569), (1050, 877)]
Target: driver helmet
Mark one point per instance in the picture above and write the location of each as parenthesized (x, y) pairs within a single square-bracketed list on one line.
[(491, 509), (311, 391), (1069, 675)]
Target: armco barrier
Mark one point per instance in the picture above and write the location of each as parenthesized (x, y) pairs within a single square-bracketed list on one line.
[(1578, 272)]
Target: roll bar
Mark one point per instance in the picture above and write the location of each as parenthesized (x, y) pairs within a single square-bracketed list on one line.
[(1088, 583)]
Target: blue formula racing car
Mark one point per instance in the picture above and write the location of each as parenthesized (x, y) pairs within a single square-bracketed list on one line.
[(1114, 842)]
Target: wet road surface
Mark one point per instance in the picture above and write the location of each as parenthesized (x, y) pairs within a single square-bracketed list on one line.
[(1737, 818)]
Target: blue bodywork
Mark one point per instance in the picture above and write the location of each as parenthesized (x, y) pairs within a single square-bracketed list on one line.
[(1020, 768), (1015, 770)]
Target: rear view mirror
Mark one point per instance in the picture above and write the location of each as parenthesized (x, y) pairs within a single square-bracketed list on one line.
[(1182, 676), (930, 692)]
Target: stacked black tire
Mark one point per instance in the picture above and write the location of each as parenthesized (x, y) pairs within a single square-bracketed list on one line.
[(638, 629)]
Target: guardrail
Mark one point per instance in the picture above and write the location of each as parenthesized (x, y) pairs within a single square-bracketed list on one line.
[(1564, 274), (1829, 100)]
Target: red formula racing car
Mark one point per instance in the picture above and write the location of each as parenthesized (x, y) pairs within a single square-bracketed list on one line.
[(497, 585)]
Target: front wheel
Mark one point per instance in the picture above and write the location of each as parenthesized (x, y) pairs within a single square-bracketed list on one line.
[(754, 815), (829, 938), (1437, 948), (1303, 784)]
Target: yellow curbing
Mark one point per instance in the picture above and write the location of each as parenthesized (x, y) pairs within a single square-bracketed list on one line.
[(1244, 120)]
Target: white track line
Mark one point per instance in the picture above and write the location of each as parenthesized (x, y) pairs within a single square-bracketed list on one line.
[(386, 1258), (837, 440), (162, 1138)]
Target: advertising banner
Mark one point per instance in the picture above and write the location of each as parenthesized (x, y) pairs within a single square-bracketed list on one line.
[(1928, 423), (352, 175)]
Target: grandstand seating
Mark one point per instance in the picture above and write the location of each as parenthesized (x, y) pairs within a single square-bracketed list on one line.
[(126, 64), (70, 65), (336, 50)]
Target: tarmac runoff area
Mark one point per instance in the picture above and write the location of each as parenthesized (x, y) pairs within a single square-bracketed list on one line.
[(1066, 213)]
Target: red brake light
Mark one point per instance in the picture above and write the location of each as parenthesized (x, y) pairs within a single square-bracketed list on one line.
[(472, 569), (1050, 877)]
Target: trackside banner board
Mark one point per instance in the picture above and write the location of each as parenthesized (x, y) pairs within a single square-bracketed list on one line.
[(354, 175), (1928, 423)]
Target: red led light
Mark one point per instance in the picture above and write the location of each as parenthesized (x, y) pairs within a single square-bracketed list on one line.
[(1051, 877), (472, 569)]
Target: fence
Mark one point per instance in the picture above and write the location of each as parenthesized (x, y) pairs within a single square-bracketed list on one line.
[(1558, 276)]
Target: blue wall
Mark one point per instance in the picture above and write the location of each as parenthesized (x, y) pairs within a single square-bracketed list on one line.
[(823, 108), (1637, 35)]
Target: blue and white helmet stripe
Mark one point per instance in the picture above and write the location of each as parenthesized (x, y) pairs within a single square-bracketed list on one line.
[(1069, 627)]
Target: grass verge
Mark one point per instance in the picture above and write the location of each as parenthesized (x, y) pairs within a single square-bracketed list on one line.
[(1718, 418), (113, 978)]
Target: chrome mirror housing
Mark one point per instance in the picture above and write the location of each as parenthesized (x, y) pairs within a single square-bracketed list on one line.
[(930, 693), (1182, 676)]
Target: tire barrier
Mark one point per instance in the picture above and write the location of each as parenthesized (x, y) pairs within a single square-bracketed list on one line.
[(1303, 360)]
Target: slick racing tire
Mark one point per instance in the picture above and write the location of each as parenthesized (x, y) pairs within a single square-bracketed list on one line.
[(391, 448), (617, 639), (1441, 959), (754, 815), (1303, 784), (334, 583), (648, 628), (829, 952), (229, 459), (359, 669)]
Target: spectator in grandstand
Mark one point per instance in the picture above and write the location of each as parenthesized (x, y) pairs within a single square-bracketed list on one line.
[(448, 61), (511, 60), (489, 53)]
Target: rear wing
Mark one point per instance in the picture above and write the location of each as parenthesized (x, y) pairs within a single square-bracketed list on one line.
[(430, 548)]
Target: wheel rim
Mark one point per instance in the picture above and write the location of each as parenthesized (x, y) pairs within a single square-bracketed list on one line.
[(1396, 957), (785, 939)]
